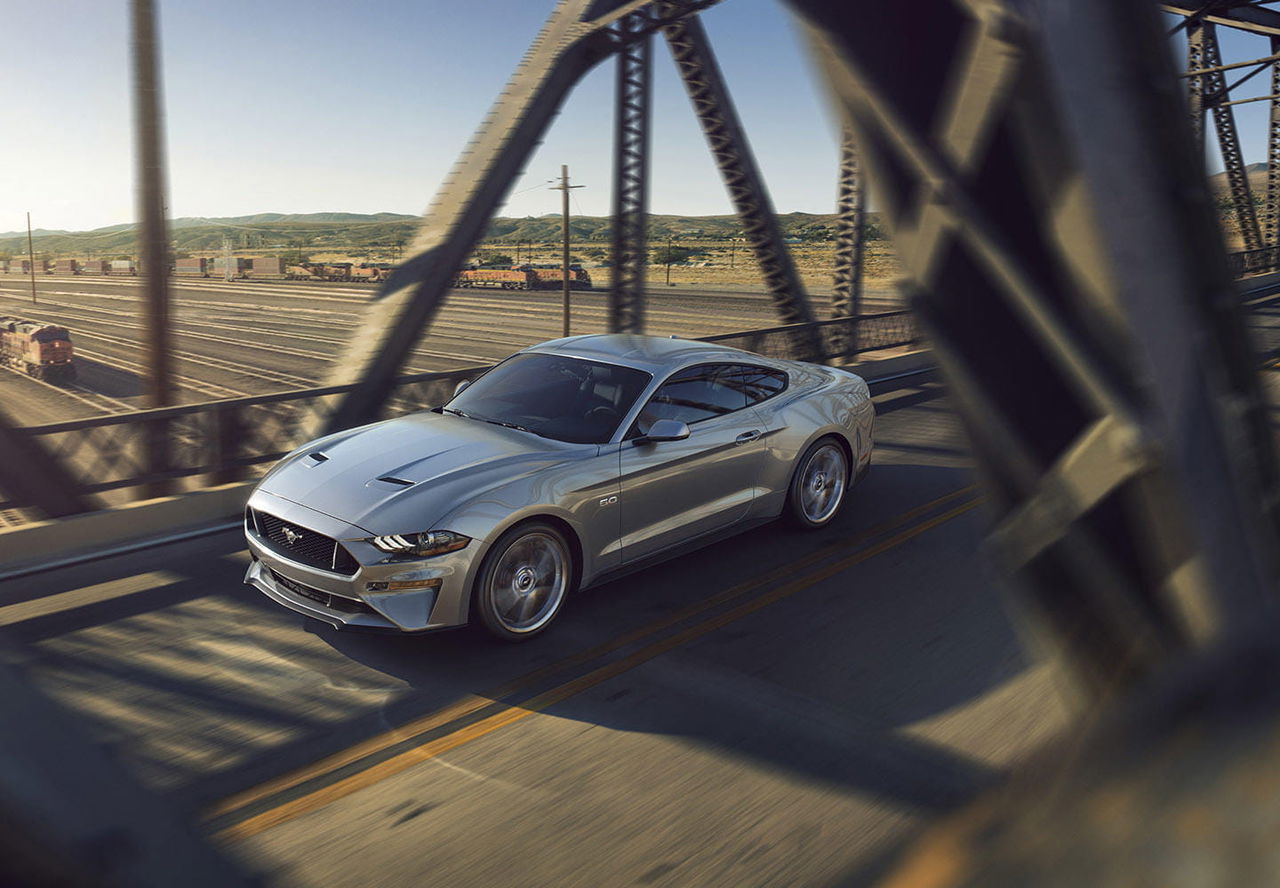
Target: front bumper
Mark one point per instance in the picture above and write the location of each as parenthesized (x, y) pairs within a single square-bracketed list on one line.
[(346, 601)]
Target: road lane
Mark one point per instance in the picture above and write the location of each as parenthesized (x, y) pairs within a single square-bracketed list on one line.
[(774, 708)]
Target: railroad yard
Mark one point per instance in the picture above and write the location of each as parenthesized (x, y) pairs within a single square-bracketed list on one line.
[(237, 338)]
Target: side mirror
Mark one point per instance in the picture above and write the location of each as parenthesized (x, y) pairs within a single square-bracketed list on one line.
[(457, 389), (665, 430)]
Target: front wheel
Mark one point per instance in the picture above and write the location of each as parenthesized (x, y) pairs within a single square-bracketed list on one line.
[(818, 485), (524, 581)]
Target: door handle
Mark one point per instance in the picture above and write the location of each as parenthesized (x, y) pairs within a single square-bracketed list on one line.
[(747, 436)]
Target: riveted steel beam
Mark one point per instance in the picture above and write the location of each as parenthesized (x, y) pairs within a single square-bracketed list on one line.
[(1214, 94), (1271, 211), (1082, 313), (1242, 16), (34, 478), (850, 221), (632, 113), (732, 153), (578, 35), (1196, 82)]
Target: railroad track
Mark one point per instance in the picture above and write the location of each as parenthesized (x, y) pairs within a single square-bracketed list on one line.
[(97, 401)]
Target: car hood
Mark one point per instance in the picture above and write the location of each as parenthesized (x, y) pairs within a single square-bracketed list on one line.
[(404, 474)]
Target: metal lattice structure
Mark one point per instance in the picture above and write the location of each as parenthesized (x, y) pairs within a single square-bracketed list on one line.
[(1210, 90), (1271, 211), (631, 178), (846, 297), (732, 154), (1119, 423)]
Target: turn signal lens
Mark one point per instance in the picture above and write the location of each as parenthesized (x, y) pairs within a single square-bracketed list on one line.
[(421, 545)]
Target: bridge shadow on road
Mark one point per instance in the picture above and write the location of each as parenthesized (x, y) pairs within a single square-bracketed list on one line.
[(826, 682)]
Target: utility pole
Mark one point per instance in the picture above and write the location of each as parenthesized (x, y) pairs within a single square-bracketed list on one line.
[(563, 188), (31, 260), (668, 261)]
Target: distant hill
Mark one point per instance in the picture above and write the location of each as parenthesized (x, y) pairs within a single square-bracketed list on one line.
[(317, 232)]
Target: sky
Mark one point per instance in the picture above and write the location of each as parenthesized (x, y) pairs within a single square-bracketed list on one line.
[(297, 106)]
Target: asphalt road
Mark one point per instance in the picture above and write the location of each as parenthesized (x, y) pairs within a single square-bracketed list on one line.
[(243, 337), (776, 709)]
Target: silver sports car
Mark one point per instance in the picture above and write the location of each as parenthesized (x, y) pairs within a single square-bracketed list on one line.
[(561, 466)]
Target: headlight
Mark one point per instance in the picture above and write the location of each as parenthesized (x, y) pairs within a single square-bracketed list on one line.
[(421, 545)]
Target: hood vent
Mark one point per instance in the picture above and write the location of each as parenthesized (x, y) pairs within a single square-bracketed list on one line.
[(391, 479), (318, 456)]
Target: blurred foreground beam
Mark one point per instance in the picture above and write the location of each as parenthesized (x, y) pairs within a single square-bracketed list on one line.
[(1056, 231), (153, 236)]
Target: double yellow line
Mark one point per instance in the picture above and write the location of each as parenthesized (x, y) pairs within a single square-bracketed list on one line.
[(782, 582)]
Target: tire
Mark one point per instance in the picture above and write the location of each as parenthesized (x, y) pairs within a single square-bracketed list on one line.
[(524, 581), (819, 485)]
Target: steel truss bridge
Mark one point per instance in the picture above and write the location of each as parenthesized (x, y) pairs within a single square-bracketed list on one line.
[(1040, 166)]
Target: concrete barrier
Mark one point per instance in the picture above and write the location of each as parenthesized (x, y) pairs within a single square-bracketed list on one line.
[(29, 548)]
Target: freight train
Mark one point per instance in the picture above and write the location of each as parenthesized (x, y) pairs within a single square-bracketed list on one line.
[(40, 350), (523, 277)]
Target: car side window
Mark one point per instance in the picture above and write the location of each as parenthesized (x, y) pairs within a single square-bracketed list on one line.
[(693, 395), (759, 383)]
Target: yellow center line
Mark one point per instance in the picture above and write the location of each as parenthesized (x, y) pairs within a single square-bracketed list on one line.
[(472, 703), (376, 773)]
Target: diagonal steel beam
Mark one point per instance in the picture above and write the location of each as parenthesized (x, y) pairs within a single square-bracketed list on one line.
[(578, 35), (732, 153), (1081, 311), (632, 113), (33, 478)]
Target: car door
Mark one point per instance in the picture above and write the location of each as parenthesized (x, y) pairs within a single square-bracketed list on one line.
[(672, 491)]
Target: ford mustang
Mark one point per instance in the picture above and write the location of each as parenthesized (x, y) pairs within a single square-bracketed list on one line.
[(562, 466)]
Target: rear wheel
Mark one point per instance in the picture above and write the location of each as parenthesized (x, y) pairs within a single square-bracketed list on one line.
[(818, 485), (524, 581)]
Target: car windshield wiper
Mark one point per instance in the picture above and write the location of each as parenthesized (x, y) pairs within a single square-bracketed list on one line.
[(456, 412)]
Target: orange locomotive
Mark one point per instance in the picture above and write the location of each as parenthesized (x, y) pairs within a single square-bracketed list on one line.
[(40, 350)]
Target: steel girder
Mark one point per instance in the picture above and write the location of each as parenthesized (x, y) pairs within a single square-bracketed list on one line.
[(1213, 93), (34, 478), (732, 153), (578, 35), (1246, 16), (850, 219), (1271, 211), (1195, 83), (631, 179), (1059, 241)]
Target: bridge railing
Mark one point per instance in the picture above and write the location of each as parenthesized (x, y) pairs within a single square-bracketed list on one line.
[(230, 440), (1248, 262)]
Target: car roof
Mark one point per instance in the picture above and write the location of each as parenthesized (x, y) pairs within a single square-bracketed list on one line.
[(653, 354)]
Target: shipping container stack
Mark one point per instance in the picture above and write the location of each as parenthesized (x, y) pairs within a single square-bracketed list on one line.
[(67, 266), (20, 266), (124, 266), (192, 267), (237, 264), (93, 266), (267, 268)]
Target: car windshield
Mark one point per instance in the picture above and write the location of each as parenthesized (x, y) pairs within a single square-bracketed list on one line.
[(558, 397)]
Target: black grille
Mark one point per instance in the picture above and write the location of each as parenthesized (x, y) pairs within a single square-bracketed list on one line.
[(303, 545), (333, 602)]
